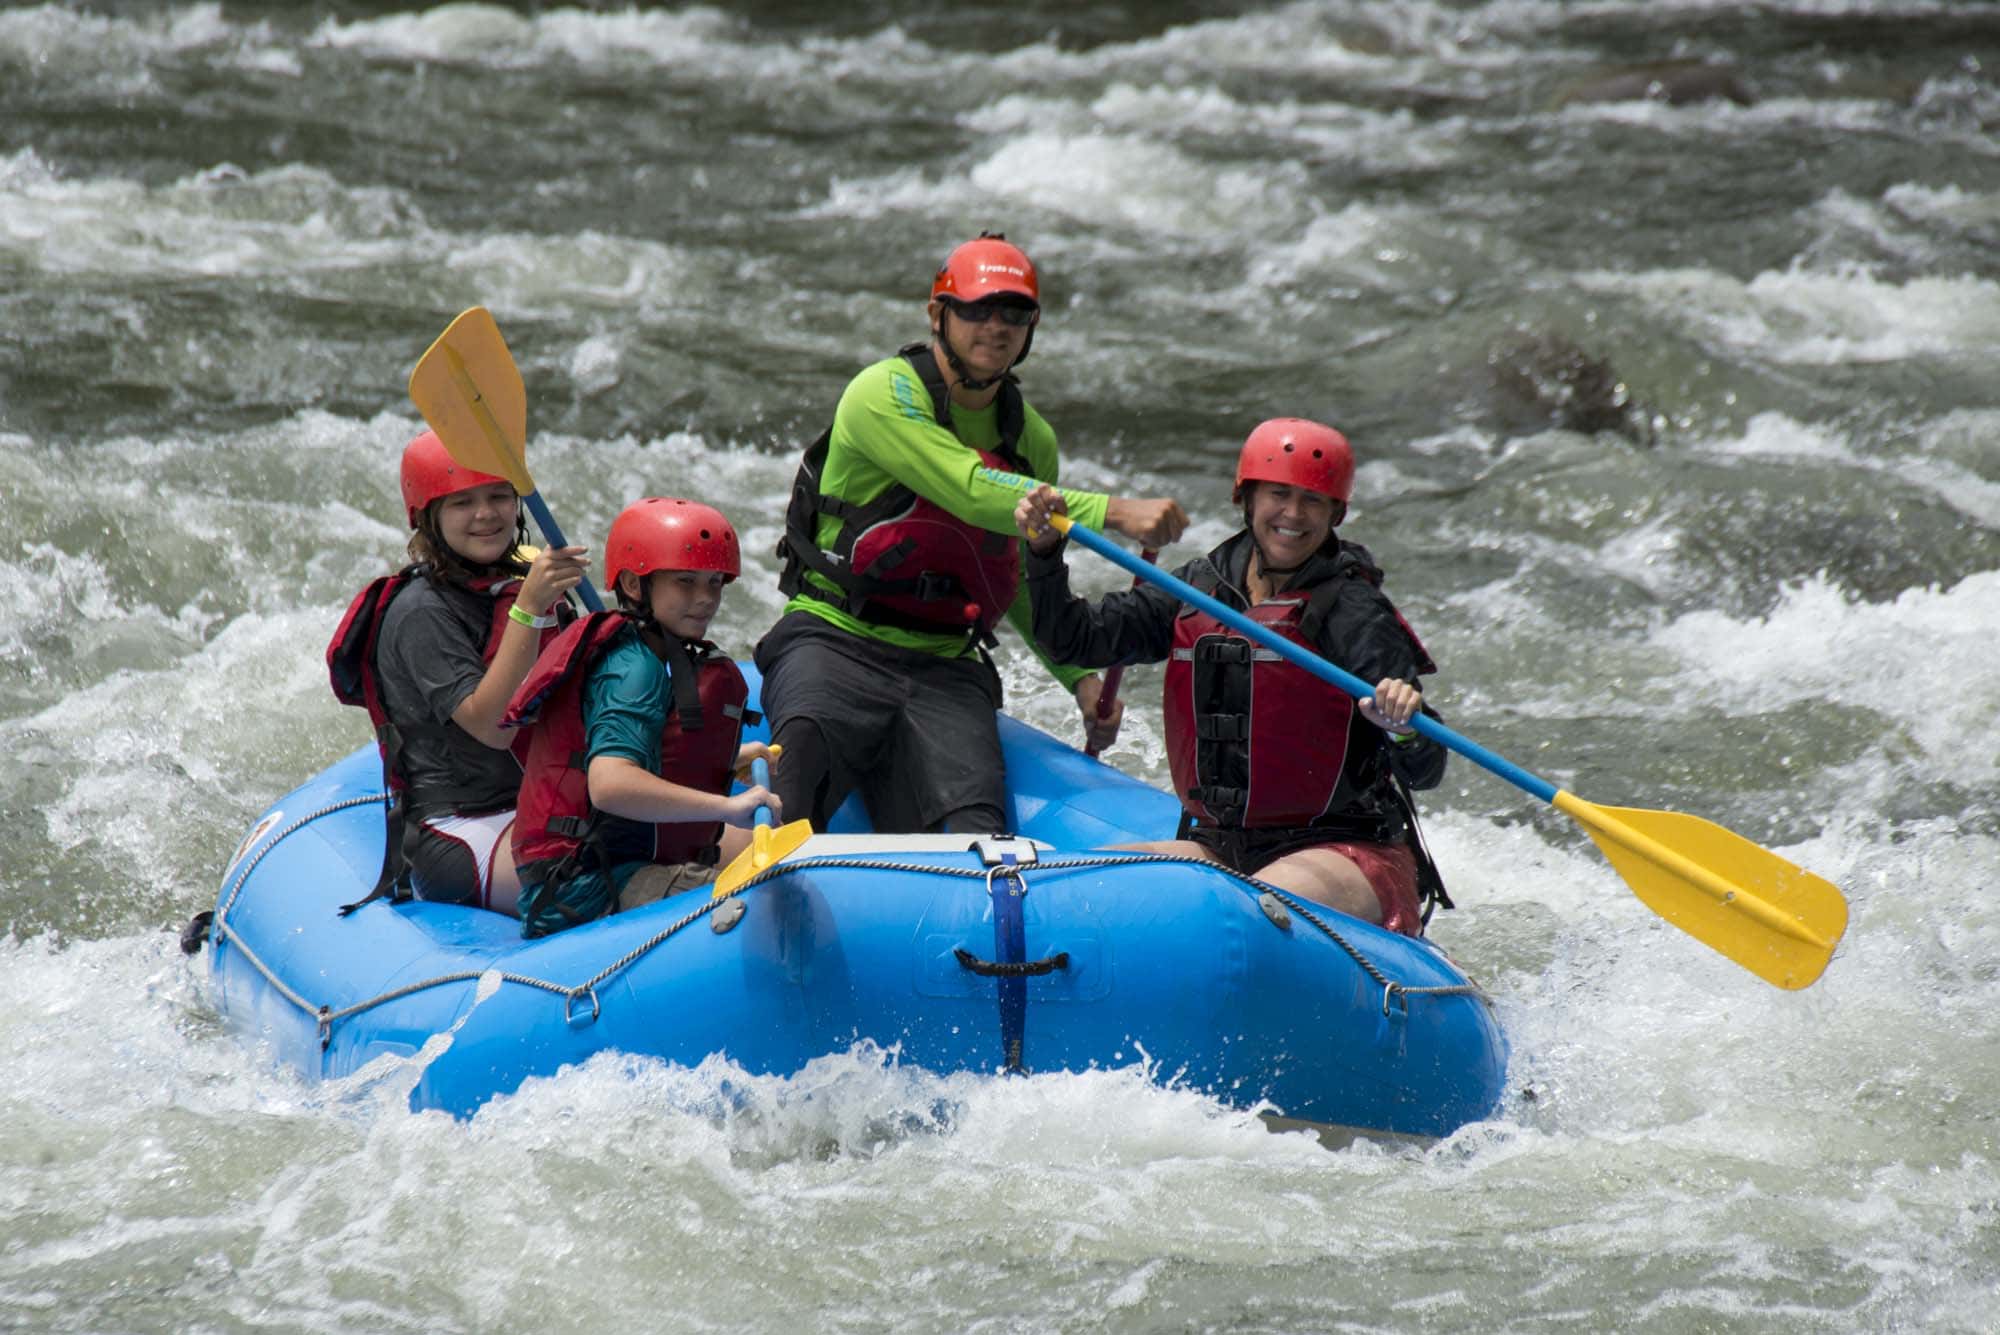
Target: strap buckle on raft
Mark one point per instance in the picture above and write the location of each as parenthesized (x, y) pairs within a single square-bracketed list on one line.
[(1004, 850), (1018, 886), (325, 1028), (569, 1007)]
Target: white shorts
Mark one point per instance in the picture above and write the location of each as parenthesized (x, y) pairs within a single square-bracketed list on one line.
[(458, 865)]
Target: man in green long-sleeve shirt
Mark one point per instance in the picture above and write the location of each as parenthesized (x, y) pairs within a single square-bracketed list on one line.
[(901, 560)]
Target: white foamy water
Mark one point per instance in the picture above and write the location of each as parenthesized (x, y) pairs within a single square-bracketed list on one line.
[(227, 231)]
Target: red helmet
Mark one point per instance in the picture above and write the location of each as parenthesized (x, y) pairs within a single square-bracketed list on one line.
[(429, 472), (988, 267), (667, 533), (1297, 453)]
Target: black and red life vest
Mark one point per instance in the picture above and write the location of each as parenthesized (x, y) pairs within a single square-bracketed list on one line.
[(350, 663), (1254, 741), (900, 559), (554, 821)]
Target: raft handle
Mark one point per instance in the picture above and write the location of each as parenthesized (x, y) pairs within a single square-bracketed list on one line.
[(971, 963)]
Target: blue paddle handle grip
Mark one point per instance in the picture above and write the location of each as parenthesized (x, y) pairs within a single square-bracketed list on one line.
[(553, 536), (1301, 657), (760, 776)]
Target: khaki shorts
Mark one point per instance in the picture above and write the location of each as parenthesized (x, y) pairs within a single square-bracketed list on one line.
[(653, 883)]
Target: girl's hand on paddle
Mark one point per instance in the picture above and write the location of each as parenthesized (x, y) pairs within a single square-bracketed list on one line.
[(1155, 523), (550, 577), (1098, 733), (740, 809), (1393, 705), (750, 752), (1031, 516)]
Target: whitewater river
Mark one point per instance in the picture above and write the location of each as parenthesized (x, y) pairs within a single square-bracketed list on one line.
[(1680, 441)]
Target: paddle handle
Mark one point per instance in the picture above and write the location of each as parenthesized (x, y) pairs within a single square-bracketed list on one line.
[(1301, 657), (760, 777), (553, 536), (1112, 679)]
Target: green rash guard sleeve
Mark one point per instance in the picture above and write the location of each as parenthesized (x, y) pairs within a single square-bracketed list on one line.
[(885, 435)]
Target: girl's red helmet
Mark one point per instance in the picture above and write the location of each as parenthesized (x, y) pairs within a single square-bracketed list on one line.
[(430, 472), (989, 266), (1297, 453), (667, 533)]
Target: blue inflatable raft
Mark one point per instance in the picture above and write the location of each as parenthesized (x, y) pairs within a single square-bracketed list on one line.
[(1039, 952)]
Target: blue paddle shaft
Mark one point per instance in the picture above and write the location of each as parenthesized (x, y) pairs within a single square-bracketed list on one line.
[(760, 776), (1311, 662), (553, 536)]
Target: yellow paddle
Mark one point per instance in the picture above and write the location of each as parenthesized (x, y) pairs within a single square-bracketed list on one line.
[(766, 844), (467, 387), (1770, 916)]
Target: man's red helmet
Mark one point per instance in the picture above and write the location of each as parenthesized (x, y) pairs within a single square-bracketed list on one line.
[(990, 266), (667, 533), (1297, 453), (430, 472)]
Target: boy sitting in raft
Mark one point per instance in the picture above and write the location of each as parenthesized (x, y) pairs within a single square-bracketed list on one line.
[(638, 728)]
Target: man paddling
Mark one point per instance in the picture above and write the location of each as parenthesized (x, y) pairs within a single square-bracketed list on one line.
[(901, 559)]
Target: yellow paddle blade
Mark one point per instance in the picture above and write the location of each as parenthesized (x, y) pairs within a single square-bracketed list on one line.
[(1771, 916), (767, 845), (467, 387)]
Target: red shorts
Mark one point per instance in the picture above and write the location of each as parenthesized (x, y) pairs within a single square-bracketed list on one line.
[(1392, 874), (1390, 869)]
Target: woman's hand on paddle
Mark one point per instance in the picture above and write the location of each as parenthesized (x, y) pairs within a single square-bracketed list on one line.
[(1031, 516), (1393, 705), (1155, 523), (552, 574), (1098, 733)]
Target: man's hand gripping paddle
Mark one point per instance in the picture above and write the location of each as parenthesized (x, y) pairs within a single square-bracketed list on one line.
[(1775, 919)]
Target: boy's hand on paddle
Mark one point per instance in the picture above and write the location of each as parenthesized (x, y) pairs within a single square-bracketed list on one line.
[(750, 752), (740, 809)]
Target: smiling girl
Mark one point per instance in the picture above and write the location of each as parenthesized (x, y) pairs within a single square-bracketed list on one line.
[(433, 652)]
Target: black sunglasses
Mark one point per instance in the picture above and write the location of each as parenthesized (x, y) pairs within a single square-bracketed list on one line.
[(979, 312)]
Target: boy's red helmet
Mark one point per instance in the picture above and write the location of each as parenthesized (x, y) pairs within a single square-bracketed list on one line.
[(430, 472), (989, 266), (668, 533), (1297, 453)]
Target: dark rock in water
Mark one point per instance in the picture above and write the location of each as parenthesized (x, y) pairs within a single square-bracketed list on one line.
[(1678, 83), (1542, 380)]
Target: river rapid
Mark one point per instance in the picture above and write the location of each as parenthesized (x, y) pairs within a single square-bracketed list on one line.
[(1679, 443)]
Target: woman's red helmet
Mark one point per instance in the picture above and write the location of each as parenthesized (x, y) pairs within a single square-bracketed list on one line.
[(429, 472), (668, 533), (1297, 453), (989, 266)]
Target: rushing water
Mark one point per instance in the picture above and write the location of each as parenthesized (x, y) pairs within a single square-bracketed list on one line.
[(1679, 442)]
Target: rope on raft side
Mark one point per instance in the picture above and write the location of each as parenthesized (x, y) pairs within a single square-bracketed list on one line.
[(327, 1016)]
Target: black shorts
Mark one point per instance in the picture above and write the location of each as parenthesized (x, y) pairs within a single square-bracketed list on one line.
[(914, 732)]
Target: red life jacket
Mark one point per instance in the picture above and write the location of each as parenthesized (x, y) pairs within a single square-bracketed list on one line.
[(900, 559), (1252, 740), (554, 820), (350, 663)]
